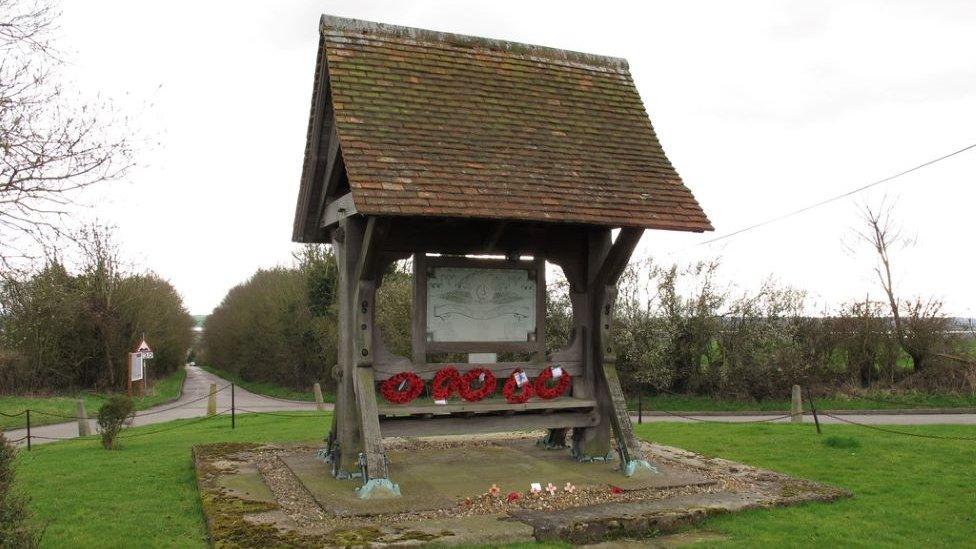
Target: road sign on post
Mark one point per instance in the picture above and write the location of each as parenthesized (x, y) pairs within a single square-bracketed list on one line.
[(137, 366)]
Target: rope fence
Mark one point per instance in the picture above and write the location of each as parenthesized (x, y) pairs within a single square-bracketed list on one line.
[(898, 432), (233, 410)]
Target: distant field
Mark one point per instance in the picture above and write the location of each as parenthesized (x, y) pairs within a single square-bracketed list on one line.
[(268, 389), (164, 390)]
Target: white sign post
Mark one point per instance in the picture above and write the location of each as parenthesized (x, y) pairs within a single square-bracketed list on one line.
[(137, 366)]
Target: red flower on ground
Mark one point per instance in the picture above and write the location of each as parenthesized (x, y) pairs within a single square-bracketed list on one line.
[(616, 490), (512, 496)]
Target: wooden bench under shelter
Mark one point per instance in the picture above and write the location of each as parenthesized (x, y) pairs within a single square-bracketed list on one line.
[(481, 160)]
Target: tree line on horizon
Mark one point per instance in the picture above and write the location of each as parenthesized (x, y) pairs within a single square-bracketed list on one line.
[(676, 329), (66, 328)]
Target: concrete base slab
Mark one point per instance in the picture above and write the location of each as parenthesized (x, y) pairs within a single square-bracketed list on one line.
[(437, 475), (260, 496)]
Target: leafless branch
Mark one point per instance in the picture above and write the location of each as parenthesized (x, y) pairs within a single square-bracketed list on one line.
[(53, 145)]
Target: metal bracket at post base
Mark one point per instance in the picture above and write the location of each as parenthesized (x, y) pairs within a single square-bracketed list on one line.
[(633, 466), (378, 487), (547, 443), (579, 456)]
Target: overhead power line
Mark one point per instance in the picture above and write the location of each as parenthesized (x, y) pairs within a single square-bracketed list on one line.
[(834, 198)]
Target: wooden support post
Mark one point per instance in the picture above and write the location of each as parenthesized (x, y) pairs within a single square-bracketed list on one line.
[(594, 442), (363, 286), (346, 243), (609, 394), (319, 401), (212, 401), (796, 406), (84, 429)]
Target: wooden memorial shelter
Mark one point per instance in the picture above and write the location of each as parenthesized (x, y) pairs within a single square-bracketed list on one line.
[(441, 147)]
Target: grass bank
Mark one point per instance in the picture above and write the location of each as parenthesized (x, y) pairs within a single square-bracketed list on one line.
[(694, 403), (908, 491), (163, 390), (268, 389)]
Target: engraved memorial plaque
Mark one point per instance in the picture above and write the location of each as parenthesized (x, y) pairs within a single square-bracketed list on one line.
[(470, 304)]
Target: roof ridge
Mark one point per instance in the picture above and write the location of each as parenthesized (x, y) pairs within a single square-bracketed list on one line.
[(587, 60)]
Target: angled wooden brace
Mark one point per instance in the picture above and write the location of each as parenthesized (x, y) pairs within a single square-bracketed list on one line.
[(631, 456)]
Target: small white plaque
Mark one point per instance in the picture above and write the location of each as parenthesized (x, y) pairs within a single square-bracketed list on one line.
[(442, 402), (535, 487), (521, 378), (557, 372)]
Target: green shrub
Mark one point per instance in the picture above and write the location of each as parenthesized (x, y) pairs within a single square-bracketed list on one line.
[(117, 411), (16, 530)]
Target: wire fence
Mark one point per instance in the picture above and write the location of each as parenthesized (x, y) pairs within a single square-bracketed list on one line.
[(211, 396), (897, 431), (232, 411)]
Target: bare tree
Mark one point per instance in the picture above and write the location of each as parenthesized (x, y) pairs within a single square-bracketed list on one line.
[(52, 145), (919, 325)]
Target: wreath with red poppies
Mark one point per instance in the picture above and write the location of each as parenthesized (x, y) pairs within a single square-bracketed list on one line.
[(558, 388), (445, 382), (515, 394), (402, 388), (483, 376)]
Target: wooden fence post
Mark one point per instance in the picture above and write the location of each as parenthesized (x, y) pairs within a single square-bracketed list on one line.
[(796, 406), (212, 402), (83, 428), (319, 402)]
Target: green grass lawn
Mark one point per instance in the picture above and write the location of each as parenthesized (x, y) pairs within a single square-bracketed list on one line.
[(681, 403), (268, 389), (90, 497), (908, 491), (163, 390)]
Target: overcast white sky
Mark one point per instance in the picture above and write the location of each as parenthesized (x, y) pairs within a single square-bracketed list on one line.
[(762, 106)]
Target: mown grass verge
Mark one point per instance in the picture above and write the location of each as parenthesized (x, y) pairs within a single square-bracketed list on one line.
[(268, 389), (908, 491), (164, 390), (874, 401)]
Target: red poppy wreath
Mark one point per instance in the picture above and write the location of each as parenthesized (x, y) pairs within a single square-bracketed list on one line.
[(402, 388), (488, 384), (558, 388), (515, 394), (445, 383)]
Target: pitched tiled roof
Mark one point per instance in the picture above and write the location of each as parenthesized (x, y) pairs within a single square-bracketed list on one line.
[(435, 124)]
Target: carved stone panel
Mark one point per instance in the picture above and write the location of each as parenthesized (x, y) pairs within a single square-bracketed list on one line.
[(481, 304)]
